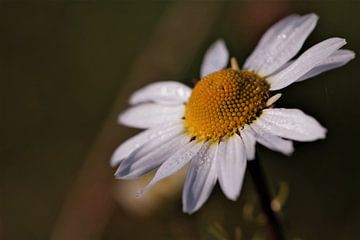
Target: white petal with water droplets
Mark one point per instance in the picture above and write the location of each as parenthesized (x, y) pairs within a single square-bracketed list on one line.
[(200, 180), (130, 145), (256, 58), (248, 138), (280, 43), (149, 115), (168, 92), (151, 155), (215, 59), (335, 60), (307, 61), (174, 163), (269, 140), (291, 123), (231, 159)]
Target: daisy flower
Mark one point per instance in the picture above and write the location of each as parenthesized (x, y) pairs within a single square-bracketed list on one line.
[(214, 126)]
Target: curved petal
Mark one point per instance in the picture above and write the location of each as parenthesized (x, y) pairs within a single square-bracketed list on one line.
[(291, 123), (200, 180), (249, 141), (149, 115), (308, 60), (133, 143), (231, 159), (168, 92), (335, 60), (215, 59), (173, 164), (271, 141), (151, 155), (280, 43)]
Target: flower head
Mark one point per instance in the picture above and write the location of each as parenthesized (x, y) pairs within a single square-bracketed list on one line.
[(215, 126)]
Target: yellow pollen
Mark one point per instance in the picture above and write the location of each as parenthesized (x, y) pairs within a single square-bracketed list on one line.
[(223, 102)]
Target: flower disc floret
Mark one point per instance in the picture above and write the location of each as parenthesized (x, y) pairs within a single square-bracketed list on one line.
[(223, 102)]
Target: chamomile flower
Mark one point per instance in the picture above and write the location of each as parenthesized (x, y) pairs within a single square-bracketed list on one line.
[(215, 126)]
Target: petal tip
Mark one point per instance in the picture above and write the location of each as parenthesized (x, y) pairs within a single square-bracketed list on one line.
[(220, 42), (117, 174), (352, 54), (114, 162), (337, 40), (121, 173), (188, 211), (232, 197), (215, 58), (314, 16), (323, 133), (121, 119), (290, 150), (133, 99), (289, 153), (319, 132)]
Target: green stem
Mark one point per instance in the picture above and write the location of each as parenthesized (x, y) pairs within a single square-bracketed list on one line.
[(258, 176)]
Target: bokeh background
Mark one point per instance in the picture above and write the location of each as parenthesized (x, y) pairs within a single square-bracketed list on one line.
[(66, 71)]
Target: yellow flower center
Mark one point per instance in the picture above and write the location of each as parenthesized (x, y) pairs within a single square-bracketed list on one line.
[(223, 102)]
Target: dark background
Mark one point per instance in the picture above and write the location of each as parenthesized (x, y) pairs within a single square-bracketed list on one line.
[(66, 71)]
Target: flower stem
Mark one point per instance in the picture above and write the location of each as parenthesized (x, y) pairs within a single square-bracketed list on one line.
[(257, 174)]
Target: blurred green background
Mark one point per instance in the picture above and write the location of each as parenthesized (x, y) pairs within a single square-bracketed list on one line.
[(66, 71)]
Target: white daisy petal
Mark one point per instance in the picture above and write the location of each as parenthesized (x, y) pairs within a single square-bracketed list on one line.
[(215, 59), (280, 43), (256, 58), (249, 141), (149, 115), (269, 140), (335, 60), (231, 159), (273, 99), (307, 61), (162, 92), (200, 180), (174, 163), (291, 123), (151, 155), (130, 145)]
